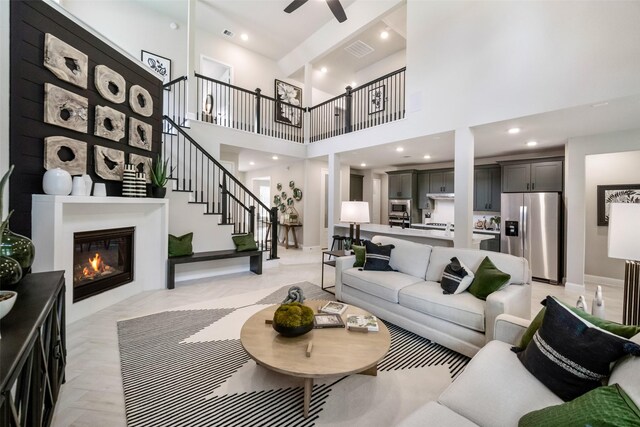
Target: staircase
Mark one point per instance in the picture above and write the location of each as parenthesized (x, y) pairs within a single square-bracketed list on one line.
[(208, 183)]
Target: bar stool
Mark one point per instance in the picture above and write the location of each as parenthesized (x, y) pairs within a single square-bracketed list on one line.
[(339, 240)]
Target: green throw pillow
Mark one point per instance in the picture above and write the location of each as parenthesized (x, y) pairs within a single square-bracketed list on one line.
[(488, 279), (180, 246), (245, 242), (625, 331), (360, 255), (601, 407)]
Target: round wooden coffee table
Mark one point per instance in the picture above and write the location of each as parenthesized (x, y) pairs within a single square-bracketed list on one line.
[(335, 351)]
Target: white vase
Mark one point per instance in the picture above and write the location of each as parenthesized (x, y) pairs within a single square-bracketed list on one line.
[(79, 187), (57, 181), (100, 190), (88, 184), (597, 306)]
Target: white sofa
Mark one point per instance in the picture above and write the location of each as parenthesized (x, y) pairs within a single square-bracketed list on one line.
[(412, 299), (496, 390)]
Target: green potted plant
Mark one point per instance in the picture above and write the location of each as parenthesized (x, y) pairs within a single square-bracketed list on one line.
[(293, 319), (159, 178)]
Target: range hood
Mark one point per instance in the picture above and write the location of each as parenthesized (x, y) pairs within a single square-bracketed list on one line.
[(441, 196)]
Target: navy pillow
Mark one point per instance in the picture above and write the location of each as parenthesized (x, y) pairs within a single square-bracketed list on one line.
[(377, 257), (571, 356)]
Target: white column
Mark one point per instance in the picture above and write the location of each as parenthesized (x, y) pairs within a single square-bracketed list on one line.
[(334, 194), (192, 91), (463, 178)]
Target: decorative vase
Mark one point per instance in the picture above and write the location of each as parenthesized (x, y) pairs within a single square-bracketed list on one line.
[(10, 271), (158, 192), (7, 299), (100, 189), (88, 182), (129, 182), (57, 181), (78, 186), (18, 247)]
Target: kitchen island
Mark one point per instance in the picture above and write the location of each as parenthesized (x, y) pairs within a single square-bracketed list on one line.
[(429, 237)]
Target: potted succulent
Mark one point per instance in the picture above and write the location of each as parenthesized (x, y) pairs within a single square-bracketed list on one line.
[(159, 178), (293, 319)]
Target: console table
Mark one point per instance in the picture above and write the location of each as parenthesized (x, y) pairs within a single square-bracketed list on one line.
[(33, 351)]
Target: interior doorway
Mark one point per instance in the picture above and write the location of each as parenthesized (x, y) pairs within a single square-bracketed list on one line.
[(216, 97)]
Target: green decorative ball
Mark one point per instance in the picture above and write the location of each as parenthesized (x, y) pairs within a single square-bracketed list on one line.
[(293, 319)]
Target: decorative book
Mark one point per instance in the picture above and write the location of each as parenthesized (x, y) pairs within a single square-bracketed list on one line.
[(334, 307), (327, 320), (363, 322)]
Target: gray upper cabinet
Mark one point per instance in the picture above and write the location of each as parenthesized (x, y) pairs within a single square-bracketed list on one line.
[(441, 182), (400, 185), (486, 195), (356, 188), (423, 189), (534, 176)]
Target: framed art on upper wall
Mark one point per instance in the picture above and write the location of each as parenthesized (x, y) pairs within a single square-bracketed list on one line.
[(288, 95), (618, 193), (159, 64)]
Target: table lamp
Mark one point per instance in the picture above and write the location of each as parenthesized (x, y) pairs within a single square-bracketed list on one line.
[(624, 243), (355, 213)]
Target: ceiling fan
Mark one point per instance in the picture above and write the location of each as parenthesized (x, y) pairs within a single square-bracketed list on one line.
[(334, 5)]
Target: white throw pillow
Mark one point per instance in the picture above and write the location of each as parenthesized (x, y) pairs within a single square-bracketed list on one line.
[(456, 277)]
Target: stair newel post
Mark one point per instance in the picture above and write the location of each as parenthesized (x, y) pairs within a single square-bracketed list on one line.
[(225, 206), (258, 112), (252, 220), (274, 233), (347, 107)]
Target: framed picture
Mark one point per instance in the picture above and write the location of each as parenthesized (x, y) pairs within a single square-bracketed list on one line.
[(326, 320), (287, 95), (619, 193), (376, 99), (159, 64)]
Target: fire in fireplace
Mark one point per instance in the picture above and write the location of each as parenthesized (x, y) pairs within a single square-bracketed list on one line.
[(102, 260)]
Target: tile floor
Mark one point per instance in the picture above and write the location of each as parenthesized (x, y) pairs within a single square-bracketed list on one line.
[(93, 393)]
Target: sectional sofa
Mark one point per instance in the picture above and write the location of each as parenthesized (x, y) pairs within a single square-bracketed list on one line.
[(412, 298)]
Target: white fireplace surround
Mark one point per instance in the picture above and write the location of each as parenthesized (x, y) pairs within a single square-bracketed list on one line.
[(54, 219)]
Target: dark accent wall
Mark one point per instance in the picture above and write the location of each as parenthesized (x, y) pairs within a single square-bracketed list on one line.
[(30, 21)]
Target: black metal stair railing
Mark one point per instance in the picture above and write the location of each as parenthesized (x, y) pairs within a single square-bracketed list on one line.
[(232, 106), (194, 170), (175, 102), (374, 103)]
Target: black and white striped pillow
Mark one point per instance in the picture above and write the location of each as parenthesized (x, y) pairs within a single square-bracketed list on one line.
[(456, 277), (377, 257), (570, 355)]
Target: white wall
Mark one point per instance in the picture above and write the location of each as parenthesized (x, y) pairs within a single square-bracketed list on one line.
[(387, 65), (605, 169)]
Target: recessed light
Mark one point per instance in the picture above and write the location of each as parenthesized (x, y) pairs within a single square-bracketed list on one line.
[(426, 156), (384, 35), (363, 164), (244, 36), (323, 69), (274, 157), (399, 149), (532, 143), (600, 104), (252, 163), (353, 84), (514, 131), (173, 26)]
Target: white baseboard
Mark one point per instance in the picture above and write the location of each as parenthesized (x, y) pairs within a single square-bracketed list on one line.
[(599, 280), (575, 287)]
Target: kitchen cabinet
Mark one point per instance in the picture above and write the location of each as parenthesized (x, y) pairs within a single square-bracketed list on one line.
[(533, 177), (356, 188), (441, 181), (423, 188), (490, 245), (402, 185), (487, 190)]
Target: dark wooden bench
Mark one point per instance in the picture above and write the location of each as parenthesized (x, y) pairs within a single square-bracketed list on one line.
[(255, 261)]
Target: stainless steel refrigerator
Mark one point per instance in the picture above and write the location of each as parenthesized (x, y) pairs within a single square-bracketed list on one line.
[(531, 228)]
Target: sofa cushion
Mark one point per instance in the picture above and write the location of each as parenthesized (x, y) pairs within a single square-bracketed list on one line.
[(360, 253), (515, 266), (462, 309), (570, 355), (376, 257), (603, 406), (626, 372), (407, 257), (382, 284), (488, 279), (495, 389), (456, 277), (434, 414)]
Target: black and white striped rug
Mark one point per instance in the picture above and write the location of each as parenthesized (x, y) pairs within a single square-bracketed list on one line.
[(186, 367)]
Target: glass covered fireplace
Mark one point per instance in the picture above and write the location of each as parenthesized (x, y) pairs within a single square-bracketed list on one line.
[(102, 260)]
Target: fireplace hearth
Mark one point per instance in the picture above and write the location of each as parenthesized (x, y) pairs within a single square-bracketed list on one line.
[(102, 260)]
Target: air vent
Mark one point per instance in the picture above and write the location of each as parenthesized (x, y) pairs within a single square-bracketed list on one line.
[(227, 33), (359, 49)]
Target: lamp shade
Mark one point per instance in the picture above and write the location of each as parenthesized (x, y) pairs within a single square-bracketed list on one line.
[(354, 212), (624, 231)]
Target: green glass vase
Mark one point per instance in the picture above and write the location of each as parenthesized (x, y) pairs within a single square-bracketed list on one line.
[(10, 271), (18, 247)]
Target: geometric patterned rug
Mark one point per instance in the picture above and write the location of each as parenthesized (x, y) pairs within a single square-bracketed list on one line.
[(186, 367)]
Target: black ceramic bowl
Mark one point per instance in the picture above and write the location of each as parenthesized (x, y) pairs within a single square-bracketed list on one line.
[(287, 331)]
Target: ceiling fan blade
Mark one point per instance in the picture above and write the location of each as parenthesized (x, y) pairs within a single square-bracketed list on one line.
[(294, 5), (337, 10)]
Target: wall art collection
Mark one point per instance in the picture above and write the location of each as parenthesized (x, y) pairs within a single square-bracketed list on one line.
[(617, 193), (70, 110), (287, 95)]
